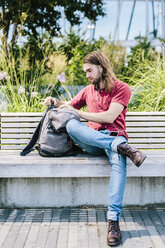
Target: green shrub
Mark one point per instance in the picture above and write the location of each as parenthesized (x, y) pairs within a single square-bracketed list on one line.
[(22, 85), (115, 53), (74, 73), (142, 51), (149, 85)]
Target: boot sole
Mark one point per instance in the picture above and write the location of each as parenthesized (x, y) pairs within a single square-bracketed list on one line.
[(114, 244), (141, 161)]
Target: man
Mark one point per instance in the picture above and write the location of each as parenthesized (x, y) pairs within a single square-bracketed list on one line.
[(107, 100)]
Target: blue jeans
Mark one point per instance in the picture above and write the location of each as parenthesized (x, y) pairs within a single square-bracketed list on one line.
[(98, 143)]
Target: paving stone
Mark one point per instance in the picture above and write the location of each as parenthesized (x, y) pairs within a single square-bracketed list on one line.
[(79, 228)]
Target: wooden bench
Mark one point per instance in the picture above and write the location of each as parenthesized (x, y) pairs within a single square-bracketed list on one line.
[(34, 181)]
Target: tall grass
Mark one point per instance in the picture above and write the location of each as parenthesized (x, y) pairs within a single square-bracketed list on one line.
[(19, 87), (148, 82), (23, 87)]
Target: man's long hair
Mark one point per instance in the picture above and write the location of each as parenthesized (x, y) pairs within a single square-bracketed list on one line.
[(98, 58)]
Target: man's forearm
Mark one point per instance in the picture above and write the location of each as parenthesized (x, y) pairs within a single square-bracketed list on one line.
[(108, 116), (101, 117)]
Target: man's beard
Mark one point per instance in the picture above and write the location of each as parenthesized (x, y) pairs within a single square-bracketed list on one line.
[(97, 81)]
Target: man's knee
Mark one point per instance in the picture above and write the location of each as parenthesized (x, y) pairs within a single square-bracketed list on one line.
[(71, 125), (117, 141)]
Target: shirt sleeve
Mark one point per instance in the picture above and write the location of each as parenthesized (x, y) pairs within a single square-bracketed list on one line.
[(79, 100), (122, 95)]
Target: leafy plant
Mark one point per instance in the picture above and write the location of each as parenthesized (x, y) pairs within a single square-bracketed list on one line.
[(70, 40), (149, 85), (21, 85), (81, 47), (74, 72), (114, 52), (143, 50), (28, 17)]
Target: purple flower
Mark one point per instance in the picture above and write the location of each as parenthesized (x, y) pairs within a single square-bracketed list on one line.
[(5, 74), (1, 75), (61, 77), (34, 93), (21, 90)]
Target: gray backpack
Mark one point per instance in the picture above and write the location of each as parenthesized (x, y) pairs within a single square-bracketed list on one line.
[(53, 139)]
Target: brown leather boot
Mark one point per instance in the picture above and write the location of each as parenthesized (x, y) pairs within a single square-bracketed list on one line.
[(132, 153), (114, 234)]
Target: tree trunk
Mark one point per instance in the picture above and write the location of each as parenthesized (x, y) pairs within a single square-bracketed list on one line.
[(4, 40), (15, 33), (5, 31)]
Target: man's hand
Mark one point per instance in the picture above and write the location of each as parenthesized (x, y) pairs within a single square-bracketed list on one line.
[(51, 100), (65, 105)]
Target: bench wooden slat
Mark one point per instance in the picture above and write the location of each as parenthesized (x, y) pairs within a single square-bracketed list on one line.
[(145, 118), (145, 129), (139, 146), (16, 136), (147, 140), (13, 135), (129, 124), (20, 119), (4, 125), (37, 119), (40, 114), (147, 135), (12, 147), (14, 141), (131, 140), (21, 114), (145, 113), (131, 130), (145, 124), (17, 130), (149, 146)]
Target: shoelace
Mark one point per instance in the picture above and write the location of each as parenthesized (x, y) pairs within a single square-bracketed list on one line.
[(128, 151), (113, 226)]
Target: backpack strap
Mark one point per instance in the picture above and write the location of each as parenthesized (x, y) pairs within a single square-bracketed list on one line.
[(30, 146), (33, 140)]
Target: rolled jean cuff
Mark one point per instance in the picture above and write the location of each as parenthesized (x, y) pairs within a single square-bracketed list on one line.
[(113, 216)]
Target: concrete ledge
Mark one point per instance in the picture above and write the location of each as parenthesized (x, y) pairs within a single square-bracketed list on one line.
[(34, 181), (12, 165)]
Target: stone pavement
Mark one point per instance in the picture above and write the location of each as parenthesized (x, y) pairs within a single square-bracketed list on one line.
[(79, 227)]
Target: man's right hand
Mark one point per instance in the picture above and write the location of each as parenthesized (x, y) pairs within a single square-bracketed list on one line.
[(51, 100)]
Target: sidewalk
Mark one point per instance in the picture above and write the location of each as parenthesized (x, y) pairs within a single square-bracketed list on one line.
[(79, 228)]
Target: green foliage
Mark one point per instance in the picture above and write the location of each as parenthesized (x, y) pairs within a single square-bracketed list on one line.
[(38, 48), (22, 84), (28, 17), (149, 85), (114, 52), (81, 47), (30, 73), (70, 40), (75, 47), (143, 50), (74, 72)]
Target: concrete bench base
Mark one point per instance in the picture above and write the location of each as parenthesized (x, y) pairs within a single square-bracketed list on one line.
[(34, 181), (62, 192)]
